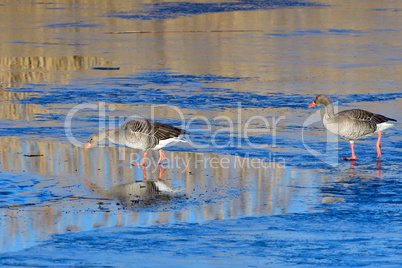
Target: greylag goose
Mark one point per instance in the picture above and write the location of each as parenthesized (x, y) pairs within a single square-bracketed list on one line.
[(140, 133), (352, 124)]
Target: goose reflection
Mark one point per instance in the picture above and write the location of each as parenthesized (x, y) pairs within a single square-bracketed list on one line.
[(378, 169), (162, 172), (144, 192)]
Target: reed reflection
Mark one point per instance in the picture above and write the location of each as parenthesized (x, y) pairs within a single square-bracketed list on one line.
[(44, 69)]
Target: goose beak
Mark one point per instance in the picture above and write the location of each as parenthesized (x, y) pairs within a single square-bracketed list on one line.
[(312, 104), (88, 184), (88, 146)]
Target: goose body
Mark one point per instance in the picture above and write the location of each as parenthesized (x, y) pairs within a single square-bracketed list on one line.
[(140, 133), (356, 124), (353, 124)]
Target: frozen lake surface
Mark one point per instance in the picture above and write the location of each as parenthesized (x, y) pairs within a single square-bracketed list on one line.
[(260, 182)]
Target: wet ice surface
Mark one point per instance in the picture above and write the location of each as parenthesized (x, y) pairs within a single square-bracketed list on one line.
[(278, 196), (333, 238)]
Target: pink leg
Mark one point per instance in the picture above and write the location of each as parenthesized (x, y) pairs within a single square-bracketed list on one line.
[(144, 160), (144, 172), (353, 157), (162, 172), (162, 156), (378, 145)]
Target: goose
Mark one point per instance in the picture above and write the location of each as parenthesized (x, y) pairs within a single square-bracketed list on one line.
[(140, 133), (352, 124)]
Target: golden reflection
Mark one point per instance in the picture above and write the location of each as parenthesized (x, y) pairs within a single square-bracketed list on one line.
[(204, 44), (82, 190), (44, 69)]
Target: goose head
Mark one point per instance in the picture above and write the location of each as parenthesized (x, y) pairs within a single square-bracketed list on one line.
[(320, 100), (95, 139)]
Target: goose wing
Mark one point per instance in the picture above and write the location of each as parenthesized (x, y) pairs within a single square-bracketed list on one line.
[(151, 128), (364, 116)]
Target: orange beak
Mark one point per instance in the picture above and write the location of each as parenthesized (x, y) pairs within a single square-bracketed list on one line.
[(88, 146), (88, 184), (311, 105)]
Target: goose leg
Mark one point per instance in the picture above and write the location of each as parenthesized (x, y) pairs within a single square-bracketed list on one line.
[(144, 173), (144, 160), (353, 157), (378, 145), (162, 156), (162, 172)]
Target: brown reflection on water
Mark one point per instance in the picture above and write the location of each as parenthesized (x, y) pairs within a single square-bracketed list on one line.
[(283, 47), (11, 108), (196, 187), (16, 71)]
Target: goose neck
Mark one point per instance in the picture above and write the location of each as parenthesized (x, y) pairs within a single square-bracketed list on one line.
[(329, 110), (111, 134)]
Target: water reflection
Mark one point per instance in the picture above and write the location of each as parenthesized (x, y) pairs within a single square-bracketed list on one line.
[(351, 177), (48, 194), (377, 169), (282, 32), (44, 69), (139, 194)]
